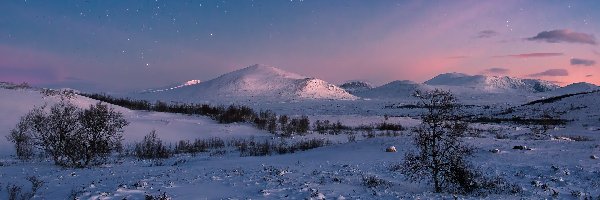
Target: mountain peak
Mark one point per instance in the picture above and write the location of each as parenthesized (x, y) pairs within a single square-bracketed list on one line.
[(263, 71), (259, 81)]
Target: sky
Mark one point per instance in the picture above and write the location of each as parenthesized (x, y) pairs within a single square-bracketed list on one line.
[(115, 45)]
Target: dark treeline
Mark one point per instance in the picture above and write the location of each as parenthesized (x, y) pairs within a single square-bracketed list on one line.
[(264, 120)]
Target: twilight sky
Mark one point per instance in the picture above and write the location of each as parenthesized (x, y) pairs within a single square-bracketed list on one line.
[(128, 45)]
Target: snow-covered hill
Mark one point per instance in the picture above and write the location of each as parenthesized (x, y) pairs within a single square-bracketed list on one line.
[(575, 88), (356, 86), (394, 89), (583, 107), (492, 83), (257, 82)]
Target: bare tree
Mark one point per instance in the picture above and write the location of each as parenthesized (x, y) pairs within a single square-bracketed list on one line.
[(440, 155)]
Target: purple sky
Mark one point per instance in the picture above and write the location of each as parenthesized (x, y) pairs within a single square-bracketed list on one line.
[(128, 45)]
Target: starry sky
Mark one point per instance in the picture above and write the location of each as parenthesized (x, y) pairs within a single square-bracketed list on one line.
[(116, 45)]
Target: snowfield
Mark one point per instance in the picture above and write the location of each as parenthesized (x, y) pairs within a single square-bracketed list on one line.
[(565, 167)]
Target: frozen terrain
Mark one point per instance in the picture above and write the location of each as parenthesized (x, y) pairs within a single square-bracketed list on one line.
[(563, 167)]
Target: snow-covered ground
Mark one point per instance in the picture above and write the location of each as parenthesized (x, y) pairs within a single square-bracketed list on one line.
[(563, 166)]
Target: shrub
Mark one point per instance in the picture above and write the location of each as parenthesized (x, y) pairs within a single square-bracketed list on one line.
[(390, 127), (71, 136), (23, 140), (162, 196), (372, 181), (16, 191), (199, 145), (151, 147)]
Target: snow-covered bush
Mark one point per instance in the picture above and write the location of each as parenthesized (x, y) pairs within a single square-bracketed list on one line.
[(72, 136)]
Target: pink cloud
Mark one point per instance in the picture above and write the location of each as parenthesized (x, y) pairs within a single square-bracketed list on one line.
[(564, 35), (530, 55)]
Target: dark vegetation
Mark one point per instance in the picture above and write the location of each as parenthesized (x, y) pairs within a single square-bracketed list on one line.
[(152, 147), (441, 157), (282, 125), (71, 136), (556, 98), (519, 120), (15, 192)]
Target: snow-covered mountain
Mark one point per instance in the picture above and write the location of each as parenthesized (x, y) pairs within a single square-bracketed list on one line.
[(492, 83), (576, 88), (394, 89), (356, 86), (255, 82)]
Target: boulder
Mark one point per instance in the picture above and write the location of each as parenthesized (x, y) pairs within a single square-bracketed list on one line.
[(521, 147), (391, 149)]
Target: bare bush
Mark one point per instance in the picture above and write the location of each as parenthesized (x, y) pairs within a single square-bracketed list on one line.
[(72, 136), (15, 192), (372, 181), (151, 147)]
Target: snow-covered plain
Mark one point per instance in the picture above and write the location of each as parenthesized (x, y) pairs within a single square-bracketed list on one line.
[(562, 166)]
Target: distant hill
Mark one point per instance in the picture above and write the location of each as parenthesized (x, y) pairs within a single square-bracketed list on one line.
[(492, 83), (356, 86), (257, 81)]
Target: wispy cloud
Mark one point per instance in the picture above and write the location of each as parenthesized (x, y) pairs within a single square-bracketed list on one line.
[(496, 70), (486, 34), (564, 35), (589, 75), (530, 55), (457, 57), (584, 62), (551, 72)]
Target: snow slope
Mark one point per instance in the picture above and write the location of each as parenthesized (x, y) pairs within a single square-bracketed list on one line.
[(575, 88), (258, 82), (171, 127), (582, 108), (336, 171)]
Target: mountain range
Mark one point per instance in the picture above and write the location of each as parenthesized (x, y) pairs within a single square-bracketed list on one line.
[(272, 83)]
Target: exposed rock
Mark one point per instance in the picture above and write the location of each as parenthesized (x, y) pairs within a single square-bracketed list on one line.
[(391, 149)]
